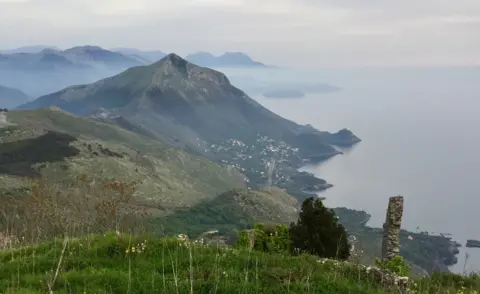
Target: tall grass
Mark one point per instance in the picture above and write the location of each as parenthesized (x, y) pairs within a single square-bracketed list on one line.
[(121, 264), (78, 207)]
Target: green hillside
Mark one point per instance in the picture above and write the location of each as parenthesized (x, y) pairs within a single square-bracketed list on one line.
[(233, 210), (126, 264), (61, 147)]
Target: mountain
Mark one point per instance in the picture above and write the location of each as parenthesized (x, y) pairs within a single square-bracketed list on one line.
[(146, 57), (228, 59), (176, 98), (197, 109), (10, 98), (46, 59), (94, 55), (60, 147), (80, 57), (50, 70), (29, 49)]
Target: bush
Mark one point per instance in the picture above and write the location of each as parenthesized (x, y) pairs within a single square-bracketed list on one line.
[(396, 265), (270, 238), (318, 232)]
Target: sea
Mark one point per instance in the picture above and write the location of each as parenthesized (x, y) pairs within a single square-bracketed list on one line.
[(420, 131)]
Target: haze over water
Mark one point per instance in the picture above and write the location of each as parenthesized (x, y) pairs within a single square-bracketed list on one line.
[(421, 139)]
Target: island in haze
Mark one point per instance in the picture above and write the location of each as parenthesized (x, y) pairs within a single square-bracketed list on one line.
[(287, 88), (284, 94), (473, 243)]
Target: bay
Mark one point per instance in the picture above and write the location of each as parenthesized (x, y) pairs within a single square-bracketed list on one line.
[(420, 131)]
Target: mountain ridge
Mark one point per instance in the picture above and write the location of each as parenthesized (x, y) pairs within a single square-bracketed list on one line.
[(143, 89), (48, 70), (79, 57)]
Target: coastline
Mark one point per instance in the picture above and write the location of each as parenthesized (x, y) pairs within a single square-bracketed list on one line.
[(439, 251), (427, 251)]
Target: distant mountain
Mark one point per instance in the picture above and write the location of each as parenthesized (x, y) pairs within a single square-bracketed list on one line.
[(146, 57), (228, 59), (94, 56), (11, 98), (82, 57), (50, 70), (29, 49)]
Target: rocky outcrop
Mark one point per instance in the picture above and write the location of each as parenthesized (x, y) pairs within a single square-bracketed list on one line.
[(391, 229), (473, 243)]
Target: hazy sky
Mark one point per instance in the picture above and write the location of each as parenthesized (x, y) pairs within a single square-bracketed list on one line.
[(286, 32)]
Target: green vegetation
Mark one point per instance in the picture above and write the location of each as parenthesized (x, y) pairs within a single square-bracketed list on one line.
[(60, 147), (18, 157), (318, 232), (266, 238), (232, 210), (396, 265), (114, 263)]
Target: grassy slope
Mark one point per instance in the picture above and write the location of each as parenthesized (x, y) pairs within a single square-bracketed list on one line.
[(238, 209), (100, 264), (171, 178)]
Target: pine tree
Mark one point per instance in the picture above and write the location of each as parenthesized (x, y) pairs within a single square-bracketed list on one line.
[(318, 232)]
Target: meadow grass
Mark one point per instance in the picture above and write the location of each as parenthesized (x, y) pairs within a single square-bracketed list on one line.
[(122, 263), (125, 264)]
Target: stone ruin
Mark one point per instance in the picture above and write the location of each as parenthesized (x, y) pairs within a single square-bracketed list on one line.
[(3, 118), (391, 229)]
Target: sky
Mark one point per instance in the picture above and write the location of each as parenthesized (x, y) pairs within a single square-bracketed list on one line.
[(303, 33)]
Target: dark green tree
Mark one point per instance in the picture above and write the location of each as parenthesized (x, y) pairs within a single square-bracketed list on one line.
[(318, 232)]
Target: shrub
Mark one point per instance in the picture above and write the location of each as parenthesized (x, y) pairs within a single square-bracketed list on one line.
[(269, 238), (396, 265), (318, 232), (243, 240)]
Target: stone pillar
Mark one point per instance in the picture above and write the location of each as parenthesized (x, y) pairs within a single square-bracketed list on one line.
[(391, 229), (3, 119), (251, 237)]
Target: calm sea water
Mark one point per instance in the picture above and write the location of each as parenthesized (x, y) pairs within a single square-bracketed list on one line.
[(421, 139)]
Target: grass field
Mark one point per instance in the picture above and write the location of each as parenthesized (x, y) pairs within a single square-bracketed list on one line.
[(124, 264)]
